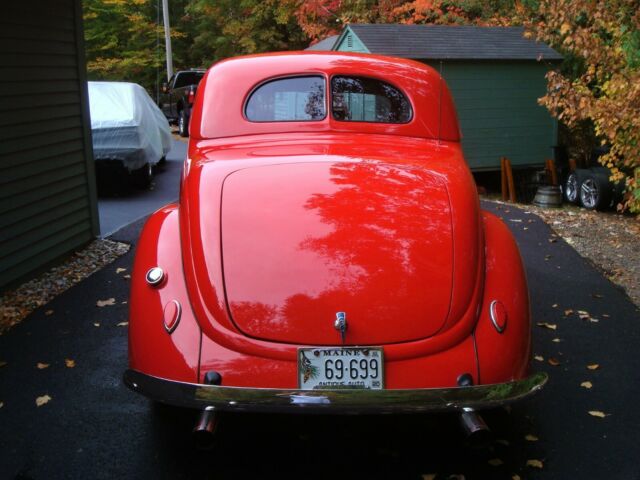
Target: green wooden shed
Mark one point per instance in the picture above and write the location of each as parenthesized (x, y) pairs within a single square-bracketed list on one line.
[(48, 203), (495, 75)]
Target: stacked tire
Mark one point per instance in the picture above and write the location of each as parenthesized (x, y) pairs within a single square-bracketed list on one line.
[(590, 188)]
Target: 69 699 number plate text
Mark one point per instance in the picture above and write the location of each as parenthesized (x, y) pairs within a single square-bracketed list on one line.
[(334, 368)]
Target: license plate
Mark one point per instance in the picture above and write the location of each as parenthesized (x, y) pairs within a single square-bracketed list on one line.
[(335, 368)]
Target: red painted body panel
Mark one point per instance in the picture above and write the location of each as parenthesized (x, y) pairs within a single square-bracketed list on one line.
[(151, 349), (370, 238), (282, 224), (505, 355)]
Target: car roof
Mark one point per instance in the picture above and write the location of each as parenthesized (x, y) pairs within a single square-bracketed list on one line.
[(219, 115)]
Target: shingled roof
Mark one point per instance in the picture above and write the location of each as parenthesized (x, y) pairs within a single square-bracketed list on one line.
[(442, 42), (325, 44)]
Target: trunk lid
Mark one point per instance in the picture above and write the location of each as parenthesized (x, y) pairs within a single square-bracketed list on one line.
[(304, 241)]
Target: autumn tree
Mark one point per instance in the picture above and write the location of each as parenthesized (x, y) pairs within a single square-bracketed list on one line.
[(224, 28), (600, 81), (121, 40)]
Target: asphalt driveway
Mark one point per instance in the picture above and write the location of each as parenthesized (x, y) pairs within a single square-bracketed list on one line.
[(93, 427), (117, 212)]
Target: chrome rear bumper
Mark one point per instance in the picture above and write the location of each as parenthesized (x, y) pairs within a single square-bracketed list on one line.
[(222, 398)]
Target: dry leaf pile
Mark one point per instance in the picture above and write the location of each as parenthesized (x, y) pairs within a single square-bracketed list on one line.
[(15, 305)]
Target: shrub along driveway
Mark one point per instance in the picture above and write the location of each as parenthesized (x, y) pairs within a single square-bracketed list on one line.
[(91, 426)]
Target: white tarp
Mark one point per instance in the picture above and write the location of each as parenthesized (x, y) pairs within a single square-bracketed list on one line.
[(127, 125)]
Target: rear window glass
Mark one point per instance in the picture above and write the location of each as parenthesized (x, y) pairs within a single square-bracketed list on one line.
[(287, 100), (361, 99)]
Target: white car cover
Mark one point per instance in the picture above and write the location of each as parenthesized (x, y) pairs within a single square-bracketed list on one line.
[(127, 125)]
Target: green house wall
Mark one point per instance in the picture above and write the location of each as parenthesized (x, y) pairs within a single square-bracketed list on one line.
[(497, 105), (47, 181), (498, 112)]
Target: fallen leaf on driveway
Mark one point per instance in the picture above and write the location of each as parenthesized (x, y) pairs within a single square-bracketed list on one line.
[(515, 220), (126, 276), (1, 404), (429, 476), (554, 362), (597, 413), (48, 312), (120, 270), (42, 400), (555, 305), (69, 363), (597, 295), (104, 303), (96, 324), (583, 314), (41, 366), (495, 462), (515, 477), (606, 315), (535, 463), (568, 312), (122, 324), (586, 384), (556, 340), (2, 363), (593, 366), (539, 358), (531, 438), (550, 326)]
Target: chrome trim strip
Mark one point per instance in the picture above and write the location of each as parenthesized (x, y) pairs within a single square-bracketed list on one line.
[(200, 396), (493, 318), (177, 320)]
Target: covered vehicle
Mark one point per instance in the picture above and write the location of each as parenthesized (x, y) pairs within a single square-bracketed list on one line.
[(333, 253), (127, 127)]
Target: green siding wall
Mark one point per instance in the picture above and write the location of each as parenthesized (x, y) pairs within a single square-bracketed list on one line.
[(498, 112), (48, 202)]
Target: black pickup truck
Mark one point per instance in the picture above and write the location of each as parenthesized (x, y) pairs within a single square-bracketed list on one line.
[(177, 97)]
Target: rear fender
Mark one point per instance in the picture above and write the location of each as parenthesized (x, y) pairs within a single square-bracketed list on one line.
[(503, 356), (152, 350)]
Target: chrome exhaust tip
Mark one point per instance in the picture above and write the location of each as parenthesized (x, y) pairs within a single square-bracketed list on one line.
[(204, 431), (475, 427)]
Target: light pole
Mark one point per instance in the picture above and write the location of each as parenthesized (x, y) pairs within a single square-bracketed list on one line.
[(167, 38)]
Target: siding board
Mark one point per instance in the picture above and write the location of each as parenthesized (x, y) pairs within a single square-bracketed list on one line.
[(20, 101), (39, 139), (47, 184), (35, 115), (12, 217), (41, 166), (52, 251), (38, 196), (32, 155), (26, 129)]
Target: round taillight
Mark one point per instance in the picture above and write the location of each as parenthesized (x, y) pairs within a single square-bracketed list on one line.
[(172, 312), (155, 276), (498, 315)]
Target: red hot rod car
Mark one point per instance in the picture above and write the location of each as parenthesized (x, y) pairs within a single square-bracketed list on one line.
[(328, 252)]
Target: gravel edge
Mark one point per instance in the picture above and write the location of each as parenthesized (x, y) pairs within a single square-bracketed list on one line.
[(17, 304)]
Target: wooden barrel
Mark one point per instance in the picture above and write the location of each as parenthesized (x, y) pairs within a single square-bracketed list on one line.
[(548, 196)]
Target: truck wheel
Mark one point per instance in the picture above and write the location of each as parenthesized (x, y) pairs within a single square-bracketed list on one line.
[(141, 178), (595, 192), (571, 188), (183, 124)]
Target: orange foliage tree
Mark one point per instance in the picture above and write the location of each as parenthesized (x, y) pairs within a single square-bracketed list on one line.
[(601, 43)]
